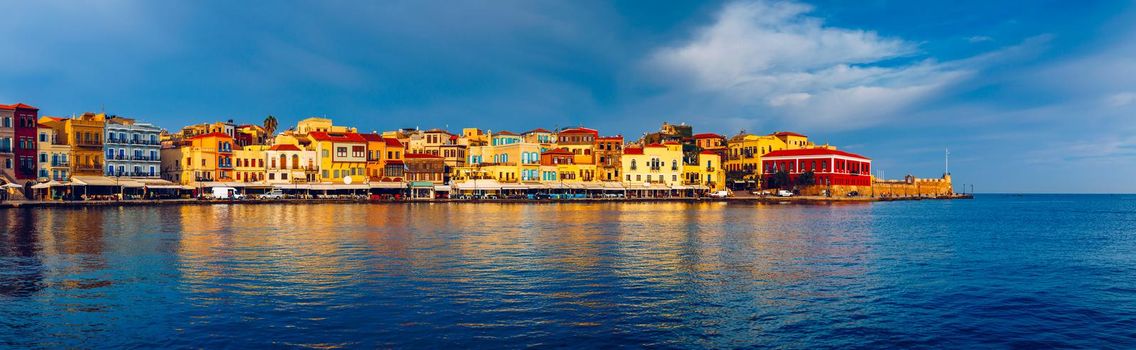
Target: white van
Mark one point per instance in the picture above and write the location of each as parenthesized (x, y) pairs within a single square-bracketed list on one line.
[(720, 194), (784, 193), (226, 193)]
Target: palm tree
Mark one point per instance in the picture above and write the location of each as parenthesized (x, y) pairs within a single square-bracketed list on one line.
[(270, 125)]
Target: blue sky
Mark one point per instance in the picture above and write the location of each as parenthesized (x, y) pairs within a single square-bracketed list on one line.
[(1036, 96)]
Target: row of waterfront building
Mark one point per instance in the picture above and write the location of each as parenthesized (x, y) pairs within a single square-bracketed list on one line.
[(96, 149)]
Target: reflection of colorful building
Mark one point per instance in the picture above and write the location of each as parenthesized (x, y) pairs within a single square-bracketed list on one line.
[(653, 164), (201, 158), (829, 166), (340, 156)]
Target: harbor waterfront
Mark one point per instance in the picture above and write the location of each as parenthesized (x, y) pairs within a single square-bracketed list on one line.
[(1017, 271)]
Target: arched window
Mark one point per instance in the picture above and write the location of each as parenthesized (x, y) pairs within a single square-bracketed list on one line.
[(295, 161), (284, 161)]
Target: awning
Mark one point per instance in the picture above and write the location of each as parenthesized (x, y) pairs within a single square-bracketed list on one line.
[(442, 188), (334, 187), (130, 183), (514, 186), (94, 181), (48, 184), (390, 185), (158, 184), (478, 185)]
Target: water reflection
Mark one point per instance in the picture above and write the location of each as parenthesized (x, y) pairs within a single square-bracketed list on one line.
[(430, 275)]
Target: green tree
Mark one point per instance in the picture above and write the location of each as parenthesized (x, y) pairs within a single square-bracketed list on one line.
[(806, 179), (270, 125), (779, 180)]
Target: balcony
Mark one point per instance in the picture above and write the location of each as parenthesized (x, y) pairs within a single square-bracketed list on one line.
[(225, 165), (88, 143), (5, 149), (62, 164), (89, 167)]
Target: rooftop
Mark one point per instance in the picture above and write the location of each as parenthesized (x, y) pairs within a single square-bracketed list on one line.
[(812, 152), (345, 137)]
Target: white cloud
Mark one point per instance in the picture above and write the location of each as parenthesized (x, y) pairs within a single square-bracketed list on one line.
[(1121, 99), (774, 60), (979, 39)]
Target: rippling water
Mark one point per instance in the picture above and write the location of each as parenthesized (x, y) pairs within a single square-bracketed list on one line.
[(1001, 271)]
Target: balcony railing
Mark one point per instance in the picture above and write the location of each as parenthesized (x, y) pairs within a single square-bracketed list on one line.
[(61, 164), (5, 149), (95, 166), (89, 143)]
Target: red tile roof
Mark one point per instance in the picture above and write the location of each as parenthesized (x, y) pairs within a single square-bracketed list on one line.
[(537, 130), (708, 152), (346, 137), (6, 107), (39, 125), (372, 137), (633, 150), (506, 132), (20, 106), (212, 134), (284, 147), (671, 143), (812, 152), (392, 142), (655, 145), (557, 151), (708, 135), (610, 138), (420, 156), (787, 133), (580, 130)]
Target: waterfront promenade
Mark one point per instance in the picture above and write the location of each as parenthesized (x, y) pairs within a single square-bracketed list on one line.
[(741, 199)]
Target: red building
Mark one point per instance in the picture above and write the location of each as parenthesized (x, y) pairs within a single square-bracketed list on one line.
[(25, 133), (829, 166)]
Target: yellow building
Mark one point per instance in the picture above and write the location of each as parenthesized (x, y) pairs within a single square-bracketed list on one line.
[(653, 164), (706, 172), (325, 125), (249, 163), (202, 158), (559, 166), (507, 158), (744, 151), (84, 134), (342, 157)]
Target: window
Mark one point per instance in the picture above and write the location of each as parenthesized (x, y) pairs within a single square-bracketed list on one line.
[(341, 151), (358, 151)]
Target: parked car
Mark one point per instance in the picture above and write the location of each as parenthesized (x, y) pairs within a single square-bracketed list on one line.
[(226, 193), (784, 193), (853, 194), (273, 194), (720, 194)]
